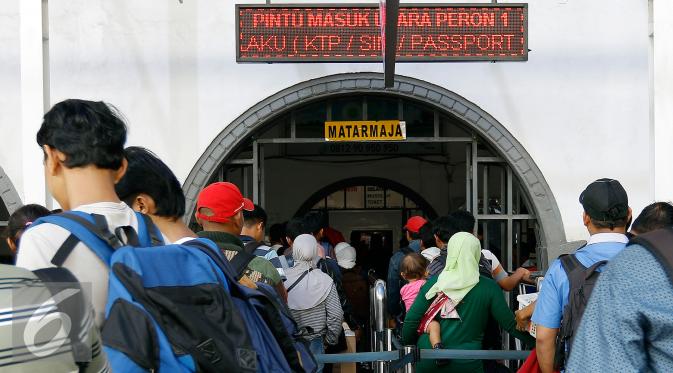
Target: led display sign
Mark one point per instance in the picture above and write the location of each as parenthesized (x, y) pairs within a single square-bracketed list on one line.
[(351, 33)]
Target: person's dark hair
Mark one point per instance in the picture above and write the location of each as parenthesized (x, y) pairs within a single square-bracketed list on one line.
[(445, 227), (655, 216), (610, 224), (147, 174), (295, 227), (464, 220), (413, 266), (21, 219), (427, 235), (87, 132), (314, 221), (277, 233), (257, 215)]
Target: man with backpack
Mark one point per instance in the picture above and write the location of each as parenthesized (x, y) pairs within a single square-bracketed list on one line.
[(219, 210), (627, 325), (570, 279), (83, 146), (252, 236)]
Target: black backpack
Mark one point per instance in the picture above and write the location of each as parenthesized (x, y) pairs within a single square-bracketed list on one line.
[(581, 283)]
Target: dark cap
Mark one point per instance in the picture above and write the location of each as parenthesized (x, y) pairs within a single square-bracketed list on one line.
[(605, 200)]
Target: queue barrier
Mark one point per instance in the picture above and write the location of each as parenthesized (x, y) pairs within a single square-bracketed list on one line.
[(388, 353), (409, 355)]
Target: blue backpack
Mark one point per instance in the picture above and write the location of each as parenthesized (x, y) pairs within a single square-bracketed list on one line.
[(172, 308)]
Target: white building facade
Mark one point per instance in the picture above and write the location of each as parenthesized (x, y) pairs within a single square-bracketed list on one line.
[(515, 142)]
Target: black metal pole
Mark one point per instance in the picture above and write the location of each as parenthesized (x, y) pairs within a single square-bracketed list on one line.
[(392, 10)]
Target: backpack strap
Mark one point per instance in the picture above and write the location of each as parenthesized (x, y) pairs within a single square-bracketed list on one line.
[(211, 250), (299, 280), (64, 251), (88, 229), (57, 281), (252, 246), (659, 244), (148, 233), (240, 262)]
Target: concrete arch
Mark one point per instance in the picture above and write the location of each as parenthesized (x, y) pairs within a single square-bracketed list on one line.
[(552, 234), (8, 194)]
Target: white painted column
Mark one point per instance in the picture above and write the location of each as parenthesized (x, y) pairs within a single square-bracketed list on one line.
[(34, 102), (662, 97)]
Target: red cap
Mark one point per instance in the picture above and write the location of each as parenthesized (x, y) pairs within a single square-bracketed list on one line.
[(224, 199), (415, 223)]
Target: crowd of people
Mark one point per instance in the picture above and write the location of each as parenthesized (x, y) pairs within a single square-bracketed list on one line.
[(443, 290)]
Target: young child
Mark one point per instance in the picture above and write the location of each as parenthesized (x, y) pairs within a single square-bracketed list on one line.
[(414, 270)]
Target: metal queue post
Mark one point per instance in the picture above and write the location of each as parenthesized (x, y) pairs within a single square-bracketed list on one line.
[(388, 355)]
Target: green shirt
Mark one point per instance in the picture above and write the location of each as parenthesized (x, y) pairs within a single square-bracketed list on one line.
[(466, 333), (259, 269)]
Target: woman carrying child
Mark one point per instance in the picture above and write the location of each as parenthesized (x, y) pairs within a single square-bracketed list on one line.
[(462, 301)]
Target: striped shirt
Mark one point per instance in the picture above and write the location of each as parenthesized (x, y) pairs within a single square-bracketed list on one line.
[(27, 343), (324, 319)]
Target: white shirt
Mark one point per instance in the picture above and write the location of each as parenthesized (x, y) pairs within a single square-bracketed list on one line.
[(39, 244), (607, 237), (494, 259), (430, 253)]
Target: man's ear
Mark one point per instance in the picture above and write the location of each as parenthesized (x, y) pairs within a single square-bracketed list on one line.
[(53, 160), (121, 171), (586, 219), (141, 204), (11, 245)]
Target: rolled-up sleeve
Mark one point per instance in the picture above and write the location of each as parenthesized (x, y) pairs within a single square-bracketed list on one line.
[(549, 306)]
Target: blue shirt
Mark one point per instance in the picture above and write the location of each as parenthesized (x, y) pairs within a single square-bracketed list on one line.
[(628, 323), (553, 296)]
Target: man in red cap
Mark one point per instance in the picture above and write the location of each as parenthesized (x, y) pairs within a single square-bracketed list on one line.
[(395, 281), (219, 210)]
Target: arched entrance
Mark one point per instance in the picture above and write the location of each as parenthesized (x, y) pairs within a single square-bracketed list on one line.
[(489, 146)]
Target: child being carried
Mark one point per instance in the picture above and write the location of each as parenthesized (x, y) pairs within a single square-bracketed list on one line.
[(414, 270)]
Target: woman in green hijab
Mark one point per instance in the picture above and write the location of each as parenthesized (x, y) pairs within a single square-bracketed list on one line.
[(462, 301)]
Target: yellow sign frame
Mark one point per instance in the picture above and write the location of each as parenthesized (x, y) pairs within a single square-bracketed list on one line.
[(366, 130)]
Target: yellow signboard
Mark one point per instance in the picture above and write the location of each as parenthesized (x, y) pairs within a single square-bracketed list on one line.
[(367, 130)]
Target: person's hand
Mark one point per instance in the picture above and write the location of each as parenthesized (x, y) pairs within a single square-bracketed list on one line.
[(522, 320), (523, 274)]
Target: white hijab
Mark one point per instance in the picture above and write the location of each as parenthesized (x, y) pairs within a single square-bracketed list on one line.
[(314, 288), (345, 255)]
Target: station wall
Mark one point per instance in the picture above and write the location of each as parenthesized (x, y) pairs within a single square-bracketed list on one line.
[(579, 105)]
